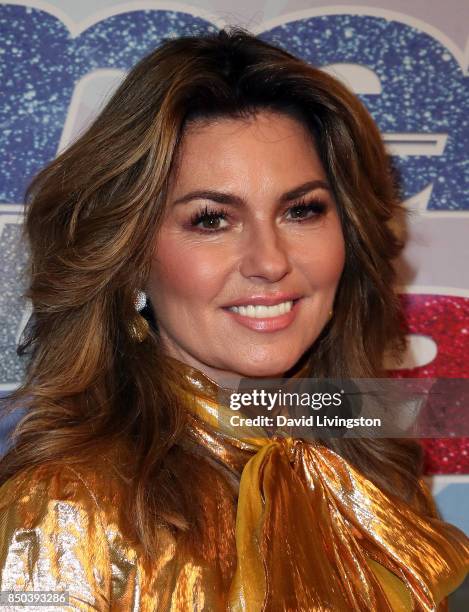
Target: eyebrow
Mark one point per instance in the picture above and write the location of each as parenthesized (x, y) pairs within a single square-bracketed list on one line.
[(229, 198)]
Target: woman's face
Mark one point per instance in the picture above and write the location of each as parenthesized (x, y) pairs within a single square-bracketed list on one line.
[(250, 221)]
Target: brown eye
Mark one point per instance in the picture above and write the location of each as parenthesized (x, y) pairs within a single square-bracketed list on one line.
[(304, 211), (208, 220)]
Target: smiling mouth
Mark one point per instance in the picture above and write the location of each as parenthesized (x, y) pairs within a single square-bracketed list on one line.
[(263, 312)]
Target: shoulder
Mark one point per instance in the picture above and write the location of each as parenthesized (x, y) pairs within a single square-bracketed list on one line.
[(59, 530), (58, 486)]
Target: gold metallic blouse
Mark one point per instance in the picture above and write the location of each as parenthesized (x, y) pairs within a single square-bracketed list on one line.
[(288, 525)]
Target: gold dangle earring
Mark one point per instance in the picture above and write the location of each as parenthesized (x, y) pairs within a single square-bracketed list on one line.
[(139, 327)]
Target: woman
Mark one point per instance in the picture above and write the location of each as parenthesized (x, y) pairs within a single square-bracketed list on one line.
[(227, 215)]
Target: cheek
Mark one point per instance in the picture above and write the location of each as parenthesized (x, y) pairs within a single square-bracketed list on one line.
[(186, 271), (323, 258)]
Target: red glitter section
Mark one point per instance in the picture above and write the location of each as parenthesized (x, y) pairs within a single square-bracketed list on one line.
[(444, 319)]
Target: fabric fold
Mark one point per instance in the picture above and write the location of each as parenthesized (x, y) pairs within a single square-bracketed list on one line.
[(284, 536), (312, 533)]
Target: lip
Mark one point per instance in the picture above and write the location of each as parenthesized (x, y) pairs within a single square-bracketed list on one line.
[(267, 324), (264, 300)]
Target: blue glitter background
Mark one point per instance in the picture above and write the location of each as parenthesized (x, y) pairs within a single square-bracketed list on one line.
[(423, 87)]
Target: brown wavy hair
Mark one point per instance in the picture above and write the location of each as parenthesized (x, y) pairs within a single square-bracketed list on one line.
[(92, 218)]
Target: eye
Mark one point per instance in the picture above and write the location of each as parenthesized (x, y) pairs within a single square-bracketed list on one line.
[(303, 211), (209, 219)]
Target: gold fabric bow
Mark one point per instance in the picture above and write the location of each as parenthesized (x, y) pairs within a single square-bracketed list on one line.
[(313, 534)]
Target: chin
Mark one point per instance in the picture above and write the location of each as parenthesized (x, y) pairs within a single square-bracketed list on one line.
[(265, 368)]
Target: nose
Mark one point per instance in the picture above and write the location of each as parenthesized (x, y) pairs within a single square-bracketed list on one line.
[(265, 254)]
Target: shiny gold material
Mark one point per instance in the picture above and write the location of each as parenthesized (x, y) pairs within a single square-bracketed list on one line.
[(139, 328), (286, 525)]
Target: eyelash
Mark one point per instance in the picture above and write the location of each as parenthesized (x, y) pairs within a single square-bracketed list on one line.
[(319, 208)]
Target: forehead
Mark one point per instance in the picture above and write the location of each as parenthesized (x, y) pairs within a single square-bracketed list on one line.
[(265, 144)]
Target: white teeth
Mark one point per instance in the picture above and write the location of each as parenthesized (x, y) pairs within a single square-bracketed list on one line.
[(263, 312)]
